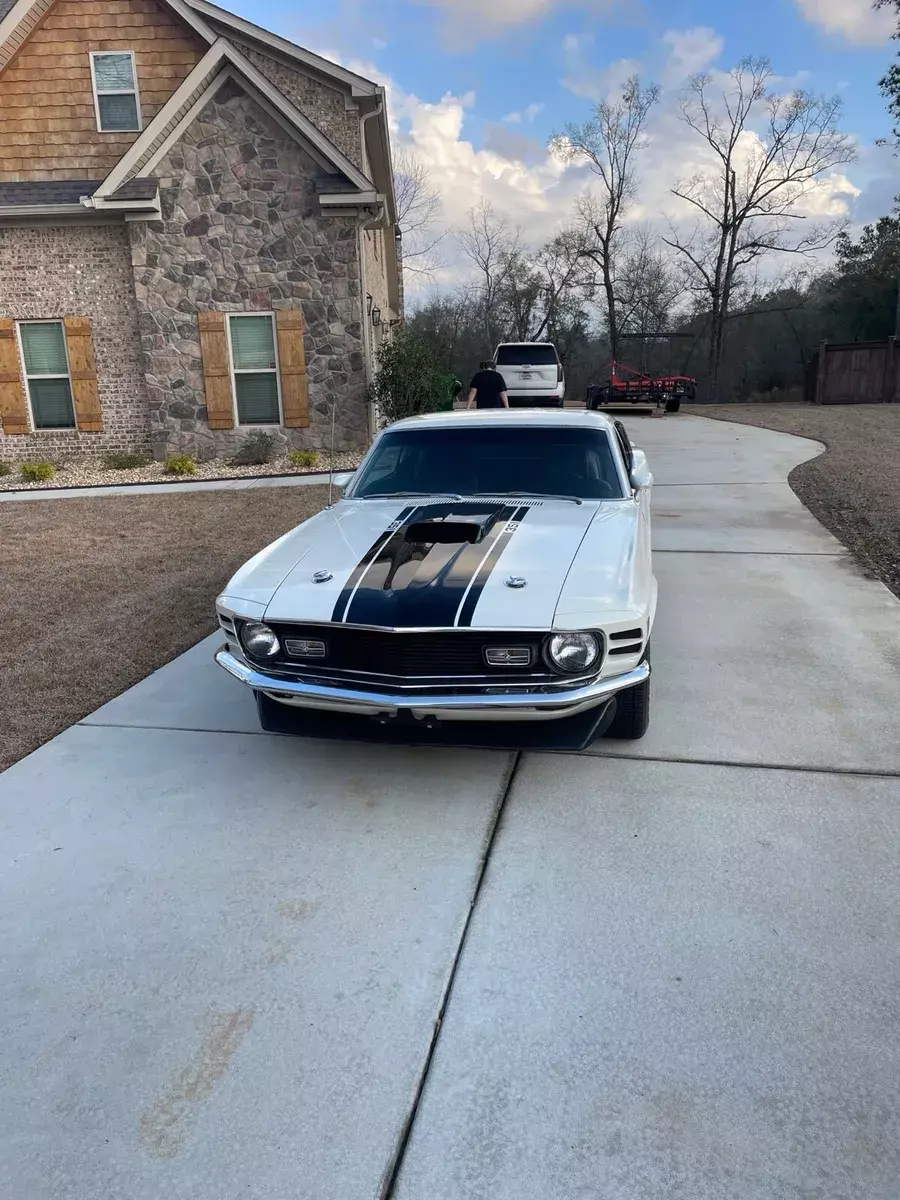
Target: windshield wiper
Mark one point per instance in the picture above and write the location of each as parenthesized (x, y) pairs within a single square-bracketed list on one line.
[(405, 495), (530, 495)]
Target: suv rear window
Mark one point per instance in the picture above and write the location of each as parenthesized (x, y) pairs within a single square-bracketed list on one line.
[(535, 354)]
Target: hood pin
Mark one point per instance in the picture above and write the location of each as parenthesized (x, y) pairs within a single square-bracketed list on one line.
[(322, 577), (515, 581)]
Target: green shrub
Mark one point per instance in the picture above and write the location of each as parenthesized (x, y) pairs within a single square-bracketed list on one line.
[(257, 449), (5, 469), (304, 458), (37, 472), (180, 464), (411, 378), (125, 462)]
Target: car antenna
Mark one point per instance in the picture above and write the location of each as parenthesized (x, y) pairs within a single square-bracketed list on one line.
[(331, 455)]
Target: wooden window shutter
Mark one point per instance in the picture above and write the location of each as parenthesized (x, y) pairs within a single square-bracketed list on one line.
[(216, 373), (292, 368), (13, 409), (83, 374)]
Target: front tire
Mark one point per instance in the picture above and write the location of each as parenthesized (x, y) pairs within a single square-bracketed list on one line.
[(632, 719), (673, 404)]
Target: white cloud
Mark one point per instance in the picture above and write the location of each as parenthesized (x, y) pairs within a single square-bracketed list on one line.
[(690, 51), (583, 78), (379, 44), (855, 20), (525, 116), (521, 179)]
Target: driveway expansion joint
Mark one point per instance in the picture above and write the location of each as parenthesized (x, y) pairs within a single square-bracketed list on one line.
[(395, 1165)]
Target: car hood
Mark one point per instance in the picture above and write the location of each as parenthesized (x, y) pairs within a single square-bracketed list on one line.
[(438, 564)]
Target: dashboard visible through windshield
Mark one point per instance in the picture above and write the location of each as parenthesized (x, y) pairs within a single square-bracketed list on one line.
[(541, 460)]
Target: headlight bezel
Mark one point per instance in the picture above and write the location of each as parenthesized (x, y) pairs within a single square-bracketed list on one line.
[(574, 635), (269, 656)]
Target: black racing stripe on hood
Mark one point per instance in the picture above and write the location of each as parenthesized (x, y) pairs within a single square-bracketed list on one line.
[(399, 522), (423, 584), (470, 603)]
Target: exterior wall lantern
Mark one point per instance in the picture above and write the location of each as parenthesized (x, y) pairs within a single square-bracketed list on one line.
[(376, 317)]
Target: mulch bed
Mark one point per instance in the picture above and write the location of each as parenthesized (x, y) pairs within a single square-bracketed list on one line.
[(97, 593), (854, 488)]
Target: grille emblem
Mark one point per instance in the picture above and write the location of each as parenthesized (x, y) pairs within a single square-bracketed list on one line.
[(304, 647), (322, 577), (515, 581)]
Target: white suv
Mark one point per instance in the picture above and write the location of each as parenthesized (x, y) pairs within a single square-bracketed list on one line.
[(533, 374)]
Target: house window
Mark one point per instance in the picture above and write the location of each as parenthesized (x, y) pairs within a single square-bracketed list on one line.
[(47, 374), (254, 368), (116, 99)]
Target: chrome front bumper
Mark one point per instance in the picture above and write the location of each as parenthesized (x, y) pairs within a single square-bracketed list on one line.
[(486, 706)]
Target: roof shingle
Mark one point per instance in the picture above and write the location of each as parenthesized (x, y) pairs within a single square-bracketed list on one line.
[(69, 191), (47, 191)]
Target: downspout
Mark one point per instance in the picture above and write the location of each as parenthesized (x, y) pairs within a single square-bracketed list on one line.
[(365, 223), (364, 154)]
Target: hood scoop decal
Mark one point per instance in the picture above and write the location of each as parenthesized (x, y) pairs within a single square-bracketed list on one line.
[(449, 532)]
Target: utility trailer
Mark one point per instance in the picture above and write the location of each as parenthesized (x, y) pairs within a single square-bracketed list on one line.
[(627, 386)]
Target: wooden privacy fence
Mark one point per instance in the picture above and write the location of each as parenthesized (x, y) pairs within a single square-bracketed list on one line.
[(854, 373)]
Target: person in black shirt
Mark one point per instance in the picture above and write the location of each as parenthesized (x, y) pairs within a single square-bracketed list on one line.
[(488, 388)]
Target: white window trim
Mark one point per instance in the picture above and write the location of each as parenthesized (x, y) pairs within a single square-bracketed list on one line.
[(116, 91), (254, 370), (27, 378)]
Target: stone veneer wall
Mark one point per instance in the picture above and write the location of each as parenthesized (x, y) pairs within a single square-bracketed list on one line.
[(241, 231), (325, 106), (81, 270)]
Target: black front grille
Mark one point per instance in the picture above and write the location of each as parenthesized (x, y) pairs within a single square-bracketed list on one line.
[(375, 652)]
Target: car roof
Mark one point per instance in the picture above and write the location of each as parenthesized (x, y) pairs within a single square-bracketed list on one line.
[(521, 417)]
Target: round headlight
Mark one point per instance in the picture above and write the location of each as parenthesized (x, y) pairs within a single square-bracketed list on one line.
[(573, 652), (259, 640)]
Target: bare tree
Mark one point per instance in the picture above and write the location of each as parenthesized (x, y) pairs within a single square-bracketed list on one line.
[(418, 213), (768, 149), (647, 284), (609, 142), (542, 285), (491, 244)]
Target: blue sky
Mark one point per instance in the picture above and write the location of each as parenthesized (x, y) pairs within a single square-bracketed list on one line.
[(476, 87)]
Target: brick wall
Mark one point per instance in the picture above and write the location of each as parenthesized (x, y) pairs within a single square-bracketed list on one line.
[(80, 270), (242, 232), (325, 106)]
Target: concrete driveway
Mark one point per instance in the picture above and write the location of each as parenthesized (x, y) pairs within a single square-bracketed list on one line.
[(242, 966)]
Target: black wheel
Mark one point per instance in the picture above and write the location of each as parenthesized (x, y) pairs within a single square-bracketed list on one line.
[(632, 717), (673, 404)]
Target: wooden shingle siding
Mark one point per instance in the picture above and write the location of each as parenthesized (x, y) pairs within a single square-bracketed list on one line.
[(48, 128)]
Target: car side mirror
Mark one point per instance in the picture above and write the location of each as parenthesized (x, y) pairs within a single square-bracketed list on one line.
[(641, 477), (341, 480), (640, 474)]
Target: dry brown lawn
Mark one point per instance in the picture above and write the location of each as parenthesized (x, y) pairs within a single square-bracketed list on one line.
[(96, 594), (854, 488)]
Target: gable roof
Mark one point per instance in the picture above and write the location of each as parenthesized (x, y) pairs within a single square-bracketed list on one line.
[(222, 61), (358, 84), (19, 18)]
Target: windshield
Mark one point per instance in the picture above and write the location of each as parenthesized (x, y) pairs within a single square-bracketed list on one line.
[(541, 460), (528, 353)]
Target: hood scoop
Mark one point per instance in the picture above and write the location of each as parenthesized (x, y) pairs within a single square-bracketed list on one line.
[(449, 533)]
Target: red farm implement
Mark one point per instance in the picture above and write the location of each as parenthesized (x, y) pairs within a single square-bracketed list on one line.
[(626, 386)]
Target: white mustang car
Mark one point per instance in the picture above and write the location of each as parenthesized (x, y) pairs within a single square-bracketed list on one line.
[(486, 566)]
